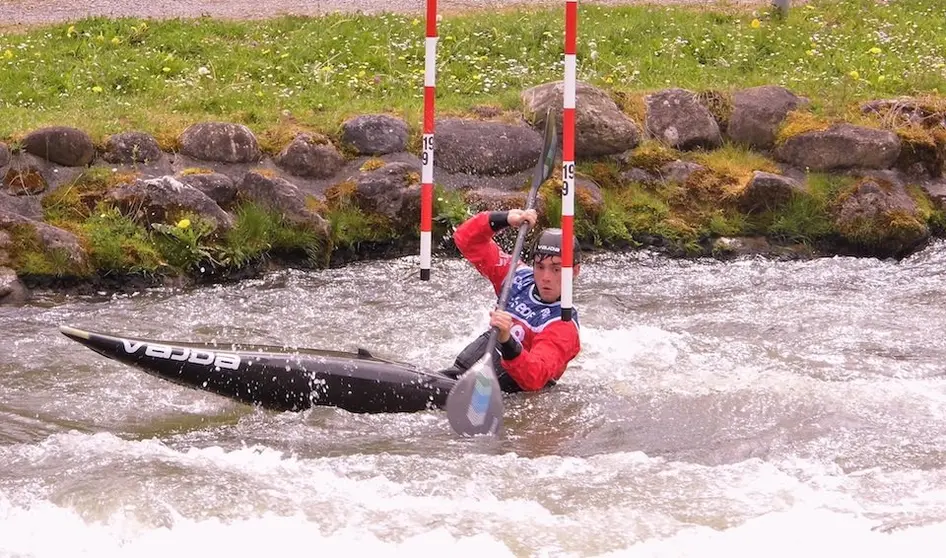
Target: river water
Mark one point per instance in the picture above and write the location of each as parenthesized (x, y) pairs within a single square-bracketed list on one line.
[(749, 408)]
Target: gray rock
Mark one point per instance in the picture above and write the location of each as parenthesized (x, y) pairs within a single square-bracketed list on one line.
[(50, 239), (12, 290), (601, 128), (61, 145), (154, 200), (638, 176), (375, 134), (490, 148), (218, 187), (393, 191), (936, 190), (676, 117), (843, 146), (26, 206), (758, 112), (129, 148), (766, 191), (679, 171), (310, 156), (278, 194), (882, 219), (220, 141)]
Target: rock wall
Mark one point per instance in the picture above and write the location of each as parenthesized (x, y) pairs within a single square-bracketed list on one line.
[(898, 148)]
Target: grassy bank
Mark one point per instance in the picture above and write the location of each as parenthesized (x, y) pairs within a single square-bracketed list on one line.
[(289, 74), (107, 76)]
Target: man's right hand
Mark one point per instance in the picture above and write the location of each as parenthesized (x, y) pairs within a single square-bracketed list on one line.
[(517, 217)]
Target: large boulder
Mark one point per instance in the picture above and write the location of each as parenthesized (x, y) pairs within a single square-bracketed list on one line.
[(45, 238), (767, 191), (310, 156), (129, 148), (12, 290), (490, 148), (758, 112), (375, 134), (881, 219), (677, 118), (393, 191), (279, 195), (843, 146), (217, 186), (157, 200), (62, 145), (221, 142), (601, 128)]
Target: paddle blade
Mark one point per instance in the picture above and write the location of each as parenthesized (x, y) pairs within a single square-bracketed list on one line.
[(475, 404)]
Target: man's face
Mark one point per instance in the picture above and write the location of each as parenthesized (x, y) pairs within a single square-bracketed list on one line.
[(548, 277)]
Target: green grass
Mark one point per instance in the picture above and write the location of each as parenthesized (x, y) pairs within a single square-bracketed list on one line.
[(107, 75), (116, 243), (289, 74)]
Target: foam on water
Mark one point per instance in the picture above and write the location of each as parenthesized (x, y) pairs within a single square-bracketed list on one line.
[(745, 409), (501, 505), (797, 533), (45, 530)]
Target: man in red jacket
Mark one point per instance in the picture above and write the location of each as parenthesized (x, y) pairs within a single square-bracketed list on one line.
[(534, 344)]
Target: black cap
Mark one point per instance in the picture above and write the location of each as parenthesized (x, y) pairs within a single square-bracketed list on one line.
[(549, 243)]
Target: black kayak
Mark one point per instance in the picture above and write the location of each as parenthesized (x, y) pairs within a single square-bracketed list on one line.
[(279, 378)]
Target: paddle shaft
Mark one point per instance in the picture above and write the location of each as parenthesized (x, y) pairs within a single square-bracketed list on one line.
[(537, 178), (507, 283)]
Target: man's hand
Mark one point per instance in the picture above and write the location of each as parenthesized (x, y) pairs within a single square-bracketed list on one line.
[(501, 321), (517, 217)]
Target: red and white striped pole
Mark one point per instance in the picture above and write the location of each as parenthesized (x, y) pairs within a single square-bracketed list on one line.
[(568, 156), (427, 173)]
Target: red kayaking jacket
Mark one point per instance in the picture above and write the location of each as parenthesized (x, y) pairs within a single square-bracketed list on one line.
[(548, 343)]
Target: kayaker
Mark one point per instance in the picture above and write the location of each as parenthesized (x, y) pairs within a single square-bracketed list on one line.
[(534, 345)]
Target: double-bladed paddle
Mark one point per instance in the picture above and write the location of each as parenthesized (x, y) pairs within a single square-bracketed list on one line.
[(475, 403)]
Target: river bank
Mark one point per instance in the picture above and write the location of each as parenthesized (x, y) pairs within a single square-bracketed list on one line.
[(44, 12), (203, 159)]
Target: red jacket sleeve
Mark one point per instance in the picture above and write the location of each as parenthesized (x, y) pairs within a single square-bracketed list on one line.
[(474, 239), (552, 349)]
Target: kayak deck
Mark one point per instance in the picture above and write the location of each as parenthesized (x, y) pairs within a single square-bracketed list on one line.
[(279, 378)]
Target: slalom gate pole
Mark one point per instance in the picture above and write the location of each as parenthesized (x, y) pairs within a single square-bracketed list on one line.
[(427, 157), (568, 156)]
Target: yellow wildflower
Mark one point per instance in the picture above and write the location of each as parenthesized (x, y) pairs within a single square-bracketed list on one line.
[(875, 50), (756, 24), (184, 223), (855, 75)]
